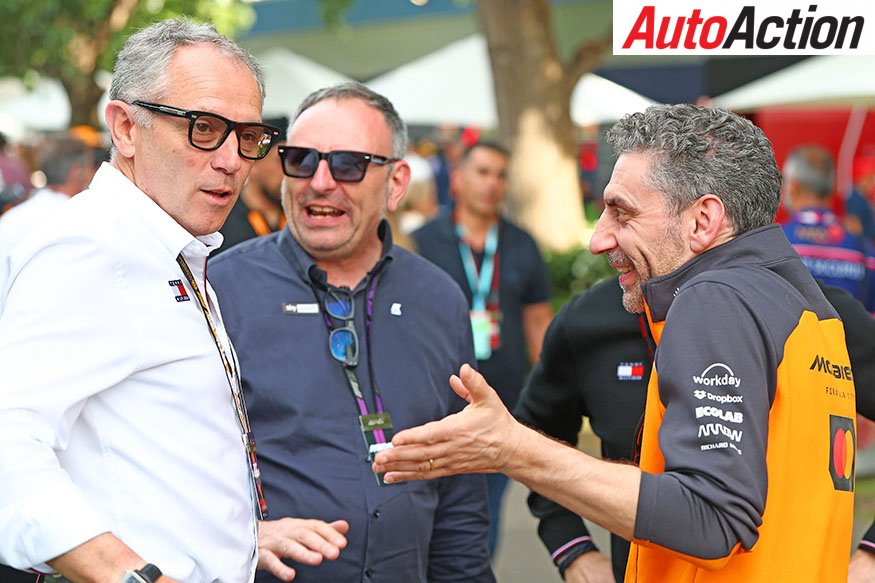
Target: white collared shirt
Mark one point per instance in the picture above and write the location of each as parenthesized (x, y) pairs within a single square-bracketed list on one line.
[(20, 220), (115, 410)]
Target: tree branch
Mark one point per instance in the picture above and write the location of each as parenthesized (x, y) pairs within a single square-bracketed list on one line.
[(586, 57)]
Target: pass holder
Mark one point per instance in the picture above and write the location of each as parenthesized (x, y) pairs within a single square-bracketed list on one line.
[(377, 431), (481, 328)]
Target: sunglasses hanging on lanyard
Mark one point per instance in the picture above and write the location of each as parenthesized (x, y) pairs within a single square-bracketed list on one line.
[(338, 303)]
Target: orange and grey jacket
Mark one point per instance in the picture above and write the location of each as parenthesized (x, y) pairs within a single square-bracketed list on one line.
[(748, 440)]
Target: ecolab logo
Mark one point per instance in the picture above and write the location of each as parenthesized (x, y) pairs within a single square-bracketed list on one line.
[(733, 27)]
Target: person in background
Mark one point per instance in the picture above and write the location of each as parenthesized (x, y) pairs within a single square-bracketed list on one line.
[(259, 209), (67, 163), (14, 177), (344, 338), (859, 219), (500, 269), (832, 254)]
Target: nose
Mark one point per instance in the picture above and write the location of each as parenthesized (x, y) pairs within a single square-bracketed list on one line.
[(322, 180), (226, 158), (603, 239)]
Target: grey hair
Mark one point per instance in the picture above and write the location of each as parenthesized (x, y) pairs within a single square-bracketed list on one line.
[(812, 167), (698, 150), (141, 66), (353, 90)]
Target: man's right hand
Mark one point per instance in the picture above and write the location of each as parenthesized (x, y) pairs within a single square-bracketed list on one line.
[(304, 541), (591, 567)]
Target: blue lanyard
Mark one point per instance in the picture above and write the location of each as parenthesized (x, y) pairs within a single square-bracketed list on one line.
[(480, 284)]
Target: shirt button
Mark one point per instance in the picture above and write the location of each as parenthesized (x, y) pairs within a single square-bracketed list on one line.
[(369, 573), (377, 513)]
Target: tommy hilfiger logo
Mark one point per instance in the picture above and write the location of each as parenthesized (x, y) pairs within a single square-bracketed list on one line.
[(183, 295), (630, 371)]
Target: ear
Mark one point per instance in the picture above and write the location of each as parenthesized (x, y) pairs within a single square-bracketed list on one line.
[(122, 127), (706, 223), (397, 184)]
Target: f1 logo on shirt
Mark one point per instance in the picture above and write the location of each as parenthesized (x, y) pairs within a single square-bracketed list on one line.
[(843, 442), (182, 294)]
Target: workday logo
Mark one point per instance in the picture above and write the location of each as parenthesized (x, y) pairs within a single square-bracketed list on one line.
[(737, 27), (717, 375)]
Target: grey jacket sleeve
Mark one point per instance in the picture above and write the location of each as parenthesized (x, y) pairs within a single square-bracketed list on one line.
[(716, 368)]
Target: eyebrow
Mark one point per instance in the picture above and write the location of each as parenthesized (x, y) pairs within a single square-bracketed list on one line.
[(615, 200)]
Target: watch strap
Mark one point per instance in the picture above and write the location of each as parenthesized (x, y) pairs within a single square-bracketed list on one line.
[(150, 573)]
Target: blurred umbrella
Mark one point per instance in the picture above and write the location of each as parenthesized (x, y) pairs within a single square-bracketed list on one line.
[(825, 80), (289, 78), (454, 85), (44, 108)]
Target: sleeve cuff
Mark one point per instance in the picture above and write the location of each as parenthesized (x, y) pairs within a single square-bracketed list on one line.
[(566, 554)]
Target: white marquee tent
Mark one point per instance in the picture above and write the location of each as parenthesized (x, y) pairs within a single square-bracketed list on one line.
[(454, 85), (823, 80)]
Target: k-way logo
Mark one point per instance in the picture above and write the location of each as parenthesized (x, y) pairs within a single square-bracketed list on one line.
[(717, 375), (742, 27)]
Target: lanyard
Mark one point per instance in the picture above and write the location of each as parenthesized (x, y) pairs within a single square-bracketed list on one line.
[(233, 376), (482, 283), (349, 371)]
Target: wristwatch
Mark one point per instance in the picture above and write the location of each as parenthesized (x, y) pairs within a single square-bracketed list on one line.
[(148, 574)]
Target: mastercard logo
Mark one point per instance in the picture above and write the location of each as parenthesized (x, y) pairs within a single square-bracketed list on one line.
[(842, 452)]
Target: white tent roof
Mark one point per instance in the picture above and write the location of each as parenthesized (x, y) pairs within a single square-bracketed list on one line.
[(289, 78), (45, 108), (823, 80), (454, 85)]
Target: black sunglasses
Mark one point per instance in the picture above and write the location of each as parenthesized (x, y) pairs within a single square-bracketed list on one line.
[(208, 131), (343, 343), (345, 165)]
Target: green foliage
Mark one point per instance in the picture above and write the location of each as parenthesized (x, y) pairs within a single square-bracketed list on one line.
[(40, 35), (574, 272)]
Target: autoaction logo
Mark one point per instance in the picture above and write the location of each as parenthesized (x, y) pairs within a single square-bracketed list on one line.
[(738, 27), (843, 441)]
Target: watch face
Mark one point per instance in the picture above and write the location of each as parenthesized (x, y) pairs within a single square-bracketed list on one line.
[(133, 577)]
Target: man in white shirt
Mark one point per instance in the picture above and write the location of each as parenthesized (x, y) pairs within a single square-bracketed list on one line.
[(124, 442), (68, 165)]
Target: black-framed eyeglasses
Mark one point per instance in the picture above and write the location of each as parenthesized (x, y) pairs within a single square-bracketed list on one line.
[(343, 343), (208, 131), (345, 165)]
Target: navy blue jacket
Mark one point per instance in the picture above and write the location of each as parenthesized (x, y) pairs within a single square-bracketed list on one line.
[(311, 450)]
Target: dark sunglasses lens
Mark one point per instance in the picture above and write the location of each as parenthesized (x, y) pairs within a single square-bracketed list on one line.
[(344, 346), (338, 305), (300, 162), (254, 140), (348, 166), (207, 131)]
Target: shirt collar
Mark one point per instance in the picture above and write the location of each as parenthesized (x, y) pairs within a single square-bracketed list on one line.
[(303, 263), (170, 233)]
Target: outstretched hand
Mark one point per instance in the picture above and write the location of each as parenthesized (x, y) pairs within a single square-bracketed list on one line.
[(304, 541), (476, 439)]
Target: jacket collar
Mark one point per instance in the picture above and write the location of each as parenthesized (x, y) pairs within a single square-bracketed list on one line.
[(761, 246)]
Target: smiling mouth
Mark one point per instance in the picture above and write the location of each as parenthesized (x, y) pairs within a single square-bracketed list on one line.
[(323, 212)]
